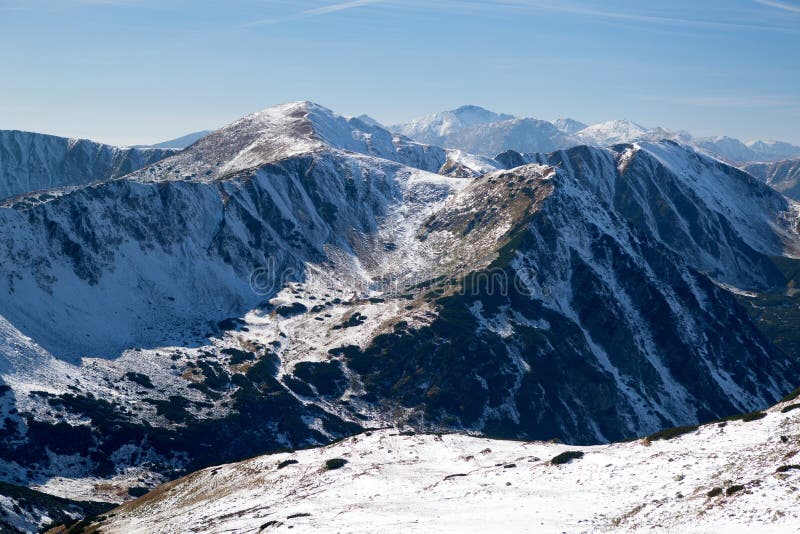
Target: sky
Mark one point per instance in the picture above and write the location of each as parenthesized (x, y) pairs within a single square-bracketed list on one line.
[(142, 71)]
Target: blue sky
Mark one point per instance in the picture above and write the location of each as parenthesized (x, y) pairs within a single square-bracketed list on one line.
[(138, 71)]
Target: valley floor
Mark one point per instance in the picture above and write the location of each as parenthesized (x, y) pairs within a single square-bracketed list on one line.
[(723, 477)]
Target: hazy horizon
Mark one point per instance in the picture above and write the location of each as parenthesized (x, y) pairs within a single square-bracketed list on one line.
[(140, 72)]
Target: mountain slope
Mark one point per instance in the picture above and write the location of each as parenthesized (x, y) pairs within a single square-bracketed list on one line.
[(25, 510), (723, 476), (569, 126), (784, 176), (182, 141), (595, 307), (31, 162)]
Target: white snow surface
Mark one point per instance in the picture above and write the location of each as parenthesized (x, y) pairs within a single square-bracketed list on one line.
[(447, 122), (457, 483), (611, 132)]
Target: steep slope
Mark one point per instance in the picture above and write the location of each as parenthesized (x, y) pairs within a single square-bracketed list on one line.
[(25, 510), (784, 176), (721, 220), (31, 162), (182, 141), (587, 301), (725, 476)]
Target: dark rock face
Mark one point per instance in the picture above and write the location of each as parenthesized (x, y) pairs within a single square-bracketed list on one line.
[(32, 162)]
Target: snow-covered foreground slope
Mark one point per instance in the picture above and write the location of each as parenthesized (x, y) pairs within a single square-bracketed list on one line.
[(733, 476), (31, 162)]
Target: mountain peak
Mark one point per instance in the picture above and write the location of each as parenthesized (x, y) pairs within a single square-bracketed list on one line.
[(286, 131), (612, 132), (569, 126), (434, 128)]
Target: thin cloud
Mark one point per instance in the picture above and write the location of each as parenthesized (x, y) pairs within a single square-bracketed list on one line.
[(317, 11), (727, 101), (779, 5), (584, 10), (656, 19), (341, 6)]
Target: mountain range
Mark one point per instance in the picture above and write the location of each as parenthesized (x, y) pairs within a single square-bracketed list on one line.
[(297, 277), (477, 130)]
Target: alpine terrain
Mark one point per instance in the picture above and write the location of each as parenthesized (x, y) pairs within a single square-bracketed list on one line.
[(298, 278), (782, 175)]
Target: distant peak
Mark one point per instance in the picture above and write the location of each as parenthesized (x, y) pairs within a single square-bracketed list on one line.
[(366, 119), (569, 126)]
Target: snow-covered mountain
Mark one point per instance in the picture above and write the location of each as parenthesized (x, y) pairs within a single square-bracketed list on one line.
[(437, 128), (729, 476), (727, 148), (32, 161), (611, 133), (524, 135), (774, 150), (782, 175), (569, 126), (480, 131), (297, 276)]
